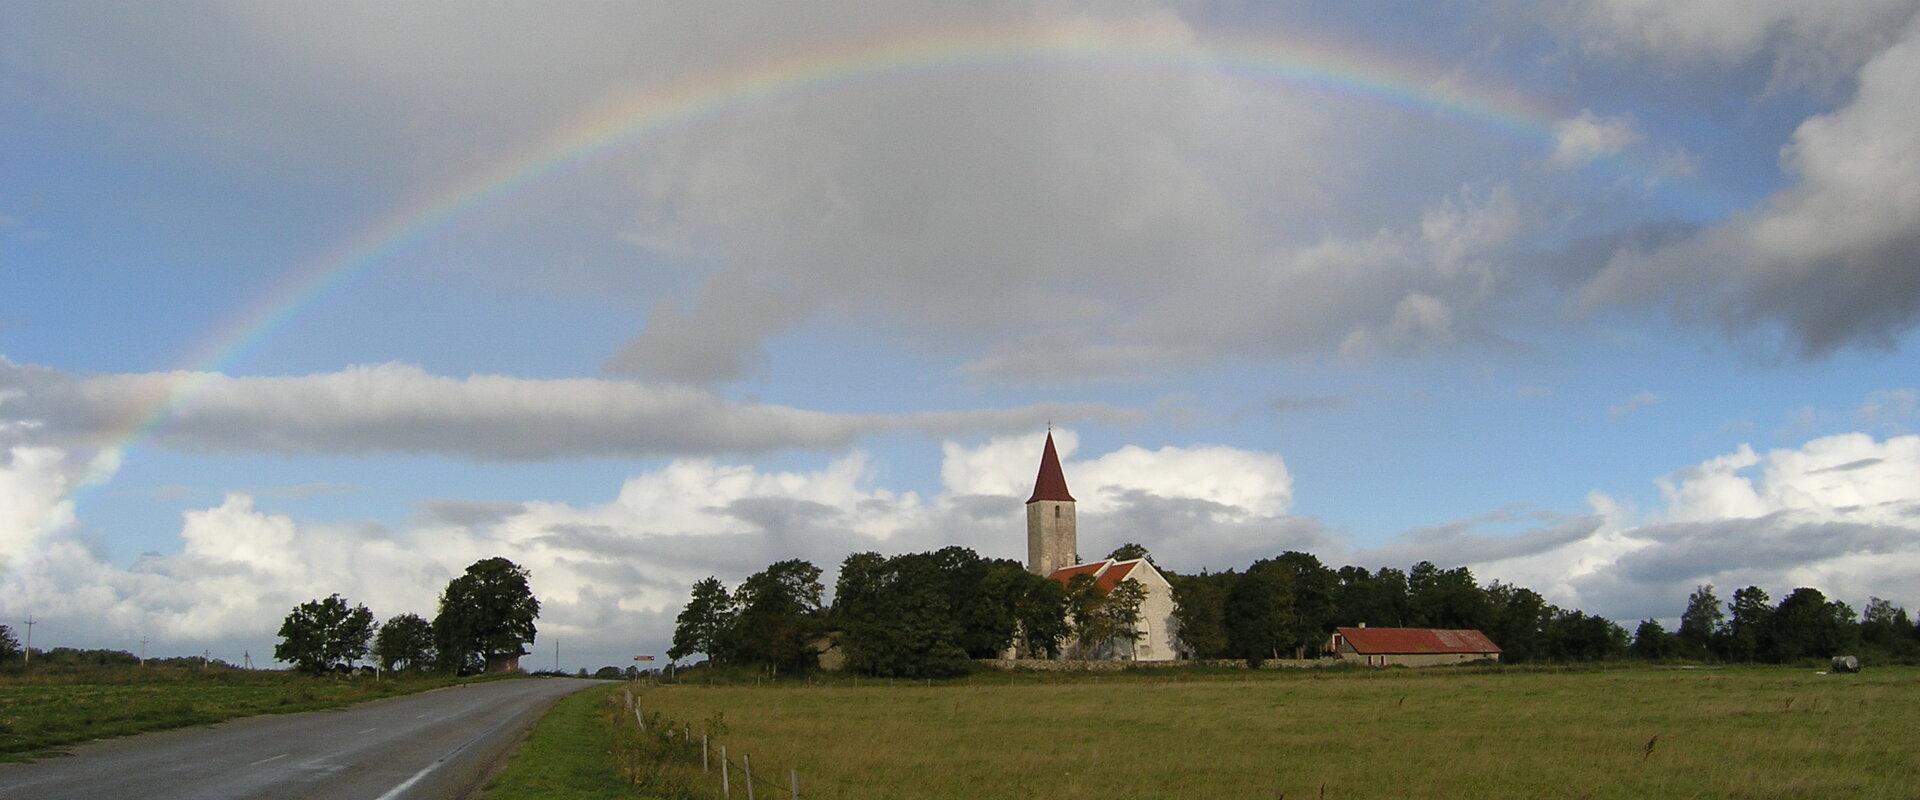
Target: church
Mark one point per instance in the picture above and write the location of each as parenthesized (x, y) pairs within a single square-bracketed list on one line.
[(1052, 552)]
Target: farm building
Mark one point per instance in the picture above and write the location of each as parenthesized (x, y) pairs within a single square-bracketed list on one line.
[(1052, 549), (1411, 647)]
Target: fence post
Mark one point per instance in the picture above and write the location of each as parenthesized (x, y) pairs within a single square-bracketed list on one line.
[(746, 763), (703, 754), (641, 722), (629, 694), (726, 784), (793, 783)]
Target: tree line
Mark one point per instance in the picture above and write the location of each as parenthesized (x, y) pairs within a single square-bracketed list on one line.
[(487, 611), (930, 614)]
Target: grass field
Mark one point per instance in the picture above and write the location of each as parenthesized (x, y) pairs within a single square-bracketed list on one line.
[(566, 755), (1621, 733), (44, 710)]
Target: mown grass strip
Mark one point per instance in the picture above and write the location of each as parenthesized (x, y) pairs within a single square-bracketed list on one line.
[(567, 755), (41, 712)]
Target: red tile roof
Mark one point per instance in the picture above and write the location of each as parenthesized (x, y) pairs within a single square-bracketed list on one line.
[(1051, 483), (1107, 574), (1412, 641)]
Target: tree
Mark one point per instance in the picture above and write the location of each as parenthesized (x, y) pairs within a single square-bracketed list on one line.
[(486, 613), (319, 634), (1131, 551), (1200, 611), (1040, 614), (779, 616), (1576, 636), (1747, 627), (1652, 642), (1886, 628), (1806, 625), (9, 646), (895, 618), (404, 642), (703, 625), (1104, 620), (1445, 598), (1702, 625), (1313, 598), (1378, 599), (1259, 614), (1519, 620)]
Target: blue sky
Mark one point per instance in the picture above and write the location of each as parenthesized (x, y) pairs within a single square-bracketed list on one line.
[(1401, 332)]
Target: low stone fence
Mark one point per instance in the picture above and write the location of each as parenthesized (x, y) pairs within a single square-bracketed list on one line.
[(1064, 665)]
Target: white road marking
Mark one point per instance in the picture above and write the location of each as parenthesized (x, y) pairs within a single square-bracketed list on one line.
[(395, 792), (369, 730), (265, 760)]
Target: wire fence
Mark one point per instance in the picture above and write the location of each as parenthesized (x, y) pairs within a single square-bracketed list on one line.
[(655, 741)]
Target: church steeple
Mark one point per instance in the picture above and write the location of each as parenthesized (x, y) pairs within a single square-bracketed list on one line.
[(1050, 519), (1051, 483)]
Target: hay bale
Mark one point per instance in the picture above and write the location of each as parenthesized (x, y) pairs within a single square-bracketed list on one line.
[(1845, 664)]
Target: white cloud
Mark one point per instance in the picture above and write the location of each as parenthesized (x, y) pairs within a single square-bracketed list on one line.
[(396, 408), (1826, 261), (615, 572), (1807, 44), (1577, 140)]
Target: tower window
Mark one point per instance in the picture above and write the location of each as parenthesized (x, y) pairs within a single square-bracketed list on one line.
[(1056, 512)]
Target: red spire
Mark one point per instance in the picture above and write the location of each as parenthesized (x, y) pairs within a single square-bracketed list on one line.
[(1051, 484)]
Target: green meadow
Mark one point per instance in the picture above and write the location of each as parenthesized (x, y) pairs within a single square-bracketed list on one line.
[(42, 711), (1750, 732)]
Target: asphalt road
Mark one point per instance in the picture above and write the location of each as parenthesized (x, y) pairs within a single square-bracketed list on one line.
[(436, 744)]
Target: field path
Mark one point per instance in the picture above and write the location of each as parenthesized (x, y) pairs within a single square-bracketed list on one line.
[(436, 744)]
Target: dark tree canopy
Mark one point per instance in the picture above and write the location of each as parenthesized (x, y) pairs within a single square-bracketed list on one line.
[(702, 626), (779, 617), (9, 646), (486, 612), (405, 642), (1260, 620), (1200, 608), (319, 634)]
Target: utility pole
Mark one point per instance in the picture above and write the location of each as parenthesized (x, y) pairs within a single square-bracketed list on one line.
[(248, 658), (143, 650), (29, 650), (556, 655), (205, 657)]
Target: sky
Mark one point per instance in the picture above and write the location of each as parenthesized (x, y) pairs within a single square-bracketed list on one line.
[(1606, 298)]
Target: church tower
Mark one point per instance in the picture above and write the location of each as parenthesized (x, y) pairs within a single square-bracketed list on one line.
[(1050, 526)]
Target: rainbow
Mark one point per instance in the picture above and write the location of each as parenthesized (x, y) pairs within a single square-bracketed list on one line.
[(1314, 65)]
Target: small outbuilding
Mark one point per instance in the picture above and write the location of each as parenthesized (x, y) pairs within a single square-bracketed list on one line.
[(1411, 647)]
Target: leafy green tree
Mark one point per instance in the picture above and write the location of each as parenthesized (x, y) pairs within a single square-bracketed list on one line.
[(486, 613), (703, 625), (1314, 587), (1104, 621), (1378, 599), (319, 634), (1702, 625), (1518, 621), (1747, 625), (1577, 636), (779, 615), (9, 646), (1806, 625), (404, 642), (1652, 642), (1040, 614), (895, 617), (1886, 627), (1131, 551), (1446, 598), (1260, 620), (1200, 611)]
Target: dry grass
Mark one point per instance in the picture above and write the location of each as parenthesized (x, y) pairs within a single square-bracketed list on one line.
[(1732, 733)]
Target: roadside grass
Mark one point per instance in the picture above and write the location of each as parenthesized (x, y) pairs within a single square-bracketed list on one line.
[(589, 748), (45, 710), (1742, 732)]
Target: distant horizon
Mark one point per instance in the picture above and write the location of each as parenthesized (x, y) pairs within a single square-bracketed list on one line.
[(1602, 299)]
